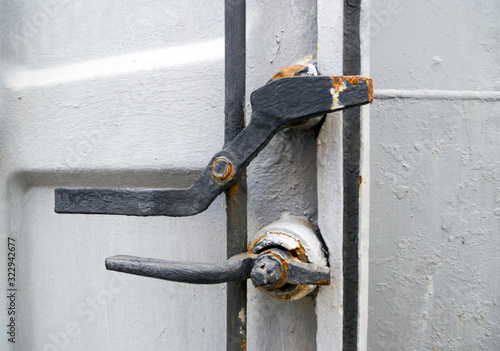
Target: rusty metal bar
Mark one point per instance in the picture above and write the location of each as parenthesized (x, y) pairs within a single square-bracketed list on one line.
[(236, 195)]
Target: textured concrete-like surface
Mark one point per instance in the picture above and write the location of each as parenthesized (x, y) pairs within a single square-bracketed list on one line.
[(434, 238), (435, 177)]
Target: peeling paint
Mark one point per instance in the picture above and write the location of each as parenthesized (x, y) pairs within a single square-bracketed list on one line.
[(242, 315)]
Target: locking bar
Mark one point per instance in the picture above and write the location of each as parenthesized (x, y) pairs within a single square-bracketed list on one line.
[(286, 261), (271, 269), (237, 268), (275, 106)]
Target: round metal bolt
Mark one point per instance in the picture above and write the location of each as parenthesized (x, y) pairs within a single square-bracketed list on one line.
[(221, 169)]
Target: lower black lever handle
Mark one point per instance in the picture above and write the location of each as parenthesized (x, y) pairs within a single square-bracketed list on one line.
[(285, 261), (237, 268), (271, 269)]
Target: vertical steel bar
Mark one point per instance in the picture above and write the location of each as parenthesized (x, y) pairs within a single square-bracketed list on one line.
[(352, 147), (236, 196)]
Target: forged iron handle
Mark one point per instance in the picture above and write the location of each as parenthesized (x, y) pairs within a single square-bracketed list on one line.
[(271, 269), (275, 106), (237, 268)]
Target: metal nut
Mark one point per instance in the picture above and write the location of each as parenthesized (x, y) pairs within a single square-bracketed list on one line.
[(267, 272)]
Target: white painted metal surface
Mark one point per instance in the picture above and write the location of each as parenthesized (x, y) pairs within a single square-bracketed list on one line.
[(131, 94), (364, 188), (435, 173), (330, 181), (121, 94)]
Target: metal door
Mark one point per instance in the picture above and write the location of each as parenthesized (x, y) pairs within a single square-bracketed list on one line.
[(128, 94)]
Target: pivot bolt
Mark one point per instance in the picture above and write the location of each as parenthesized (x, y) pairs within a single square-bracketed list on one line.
[(221, 169)]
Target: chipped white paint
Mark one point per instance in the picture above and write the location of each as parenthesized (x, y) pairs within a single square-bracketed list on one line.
[(241, 315), (336, 93)]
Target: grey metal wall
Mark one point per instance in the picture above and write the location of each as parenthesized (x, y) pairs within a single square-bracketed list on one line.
[(435, 198)]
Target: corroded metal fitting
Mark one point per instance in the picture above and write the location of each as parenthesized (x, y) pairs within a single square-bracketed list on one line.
[(221, 168), (294, 243), (286, 263), (268, 272)]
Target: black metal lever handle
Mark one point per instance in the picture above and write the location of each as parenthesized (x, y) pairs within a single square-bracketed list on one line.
[(275, 106), (237, 268), (271, 269)]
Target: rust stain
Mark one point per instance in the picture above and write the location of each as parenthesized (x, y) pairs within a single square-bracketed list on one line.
[(283, 291), (353, 80), (284, 265), (252, 244), (297, 124), (360, 180), (338, 81), (369, 82), (300, 253), (287, 295), (233, 189), (227, 173), (289, 71), (244, 346), (323, 282)]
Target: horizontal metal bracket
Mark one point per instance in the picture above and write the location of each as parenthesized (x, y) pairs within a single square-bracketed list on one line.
[(277, 105)]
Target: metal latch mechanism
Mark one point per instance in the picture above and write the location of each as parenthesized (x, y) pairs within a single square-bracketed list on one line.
[(280, 104), (285, 261)]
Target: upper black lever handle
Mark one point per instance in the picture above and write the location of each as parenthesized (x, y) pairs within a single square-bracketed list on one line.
[(275, 106)]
